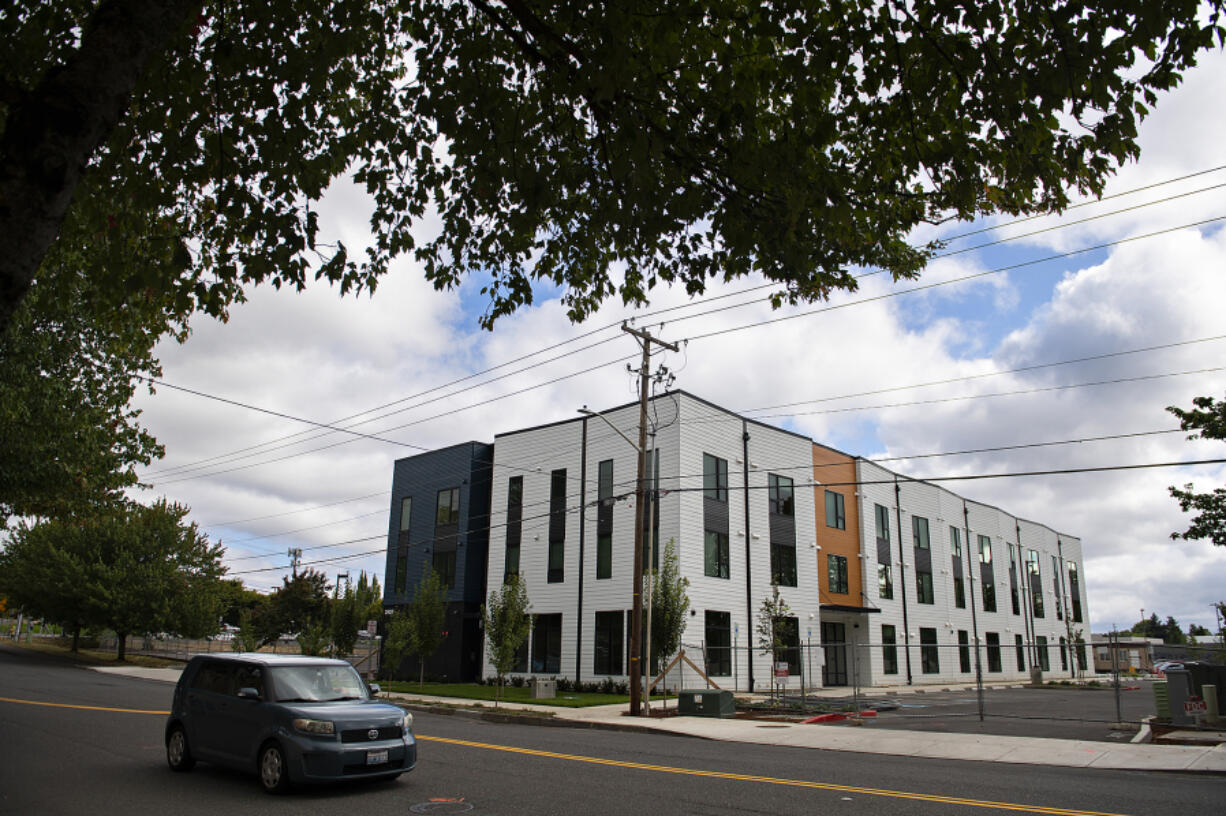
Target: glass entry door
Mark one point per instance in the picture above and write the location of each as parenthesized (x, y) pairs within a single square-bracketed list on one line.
[(834, 644)]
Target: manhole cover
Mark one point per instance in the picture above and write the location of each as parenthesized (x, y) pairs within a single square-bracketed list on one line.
[(442, 807)]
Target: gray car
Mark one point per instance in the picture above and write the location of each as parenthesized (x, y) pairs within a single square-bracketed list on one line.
[(289, 719)]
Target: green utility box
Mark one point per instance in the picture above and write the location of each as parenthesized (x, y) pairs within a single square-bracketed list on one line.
[(1162, 701), (706, 703)]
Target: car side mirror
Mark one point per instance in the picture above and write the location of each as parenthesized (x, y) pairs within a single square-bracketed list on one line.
[(374, 689), (248, 693)]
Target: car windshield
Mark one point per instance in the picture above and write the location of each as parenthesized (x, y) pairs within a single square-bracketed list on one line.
[(316, 683)]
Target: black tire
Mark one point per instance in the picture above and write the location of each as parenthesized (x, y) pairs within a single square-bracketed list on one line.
[(272, 769), (178, 752)]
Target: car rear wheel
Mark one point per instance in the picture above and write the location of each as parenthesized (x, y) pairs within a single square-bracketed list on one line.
[(274, 775), (178, 754)]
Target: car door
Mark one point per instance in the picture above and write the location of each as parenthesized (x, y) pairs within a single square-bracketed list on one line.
[(240, 720), (206, 695)]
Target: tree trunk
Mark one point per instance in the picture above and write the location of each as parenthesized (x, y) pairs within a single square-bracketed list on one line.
[(76, 639), (54, 129), (121, 647)]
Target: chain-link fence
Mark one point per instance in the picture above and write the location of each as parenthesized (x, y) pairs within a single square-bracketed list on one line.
[(365, 656)]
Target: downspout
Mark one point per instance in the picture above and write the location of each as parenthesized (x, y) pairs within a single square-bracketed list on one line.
[(902, 578), (966, 524), (582, 558), (748, 553)]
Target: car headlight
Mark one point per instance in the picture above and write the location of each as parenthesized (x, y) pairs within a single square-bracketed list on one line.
[(408, 722), (317, 727)]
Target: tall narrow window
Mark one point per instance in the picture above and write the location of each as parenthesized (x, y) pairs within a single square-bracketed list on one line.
[(885, 581), (1019, 646), (836, 574), (714, 478), (1035, 576), (779, 490), (835, 515), (402, 545), (783, 564), (607, 658), (889, 652), (604, 522), (930, 659), (994, 664), (919, 531), (964, 651), (1041, 648), (1055, 573), (715, 556), (555, 573), (1074, 590), (515, 515), (447, 509), (406, 513), (547, 644), (955, 542), (987, 582), (882, 516), (923, 588), (959, 593), (718, 634), (787, 632)]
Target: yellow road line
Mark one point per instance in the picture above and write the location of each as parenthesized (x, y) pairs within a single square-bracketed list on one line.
[(796, 783), (82, 707), (617, 763)]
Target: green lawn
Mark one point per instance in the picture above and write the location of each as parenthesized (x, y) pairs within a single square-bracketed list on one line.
[(472, 691)]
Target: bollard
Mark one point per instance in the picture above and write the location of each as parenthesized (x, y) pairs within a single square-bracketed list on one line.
[(1209, 694)]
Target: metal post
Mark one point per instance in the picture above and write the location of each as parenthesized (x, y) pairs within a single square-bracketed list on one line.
[(1115, 670)]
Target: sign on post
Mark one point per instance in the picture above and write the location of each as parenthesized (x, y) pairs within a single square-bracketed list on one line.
[(781, 669), (1195, 706)]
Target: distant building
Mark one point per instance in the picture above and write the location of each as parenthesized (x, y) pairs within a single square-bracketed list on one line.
[(889, 581)]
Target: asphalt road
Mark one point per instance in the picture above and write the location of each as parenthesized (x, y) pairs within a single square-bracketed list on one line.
[(105, 756)]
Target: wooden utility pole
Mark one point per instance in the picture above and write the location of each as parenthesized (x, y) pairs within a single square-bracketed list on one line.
[(636, 622)]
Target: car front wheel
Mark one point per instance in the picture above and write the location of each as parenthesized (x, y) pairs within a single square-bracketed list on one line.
[(274, 775), (178, 754)]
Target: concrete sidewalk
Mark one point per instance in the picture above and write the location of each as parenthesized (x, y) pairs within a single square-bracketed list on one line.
[(969, 747)]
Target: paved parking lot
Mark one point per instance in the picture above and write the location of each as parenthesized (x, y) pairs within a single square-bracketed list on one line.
[(1050, 711)]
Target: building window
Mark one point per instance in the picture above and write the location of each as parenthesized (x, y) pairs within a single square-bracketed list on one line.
[(1055, 572), (836, 574), (782, 500), (1063, 654), (547, 644), (447, 509), (930, 659), (555, 572), (1080, 650), (959, 593), (715, 555), (955, 542), (923, 588), (719, 643), (989, 596), (835, 515), (919, 531), (1074, 588), (1041, 644), (889, 652), (402, 568), (1019, 646), (994, 664), (787, 634), (515, 515), (714, 478), (444, 565), (1013, 596), (885, 581), (1036, 581), (604, 521), (964, 651), (882, 515), (406, 512), (783, 564), (985, 550), (608, 645)]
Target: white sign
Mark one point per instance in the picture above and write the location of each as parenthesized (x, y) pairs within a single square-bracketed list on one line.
[(1195, 705), (371, 627)]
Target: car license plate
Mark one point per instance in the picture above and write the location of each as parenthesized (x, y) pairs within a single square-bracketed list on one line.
[(376, 757)]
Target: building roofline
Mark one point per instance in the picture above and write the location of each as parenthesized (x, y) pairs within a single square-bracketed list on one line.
[(467, 444)]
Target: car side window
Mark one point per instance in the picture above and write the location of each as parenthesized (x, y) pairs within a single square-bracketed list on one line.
[(214, 677), (249, 677)]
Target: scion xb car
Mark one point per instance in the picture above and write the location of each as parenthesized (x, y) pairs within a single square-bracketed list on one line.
[(289, 719)]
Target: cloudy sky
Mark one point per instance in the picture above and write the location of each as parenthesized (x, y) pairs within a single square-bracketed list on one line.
[(1040, 338)]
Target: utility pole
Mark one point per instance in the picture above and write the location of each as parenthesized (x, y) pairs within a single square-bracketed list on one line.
[(636, 623)]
